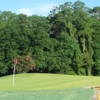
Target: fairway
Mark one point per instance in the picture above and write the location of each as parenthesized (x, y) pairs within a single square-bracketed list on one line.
[(47, 82), (47, 87)]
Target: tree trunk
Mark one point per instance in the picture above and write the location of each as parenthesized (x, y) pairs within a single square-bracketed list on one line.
[(89, 71)]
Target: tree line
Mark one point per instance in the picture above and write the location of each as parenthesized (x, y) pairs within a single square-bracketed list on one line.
[(66, 41)]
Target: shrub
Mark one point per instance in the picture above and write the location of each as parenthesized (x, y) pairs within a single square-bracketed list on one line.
[(25, 64)]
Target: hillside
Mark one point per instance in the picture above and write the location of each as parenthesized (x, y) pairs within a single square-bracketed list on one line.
[(47, 81)]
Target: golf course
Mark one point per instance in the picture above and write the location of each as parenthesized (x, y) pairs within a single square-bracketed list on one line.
[(47, 87)]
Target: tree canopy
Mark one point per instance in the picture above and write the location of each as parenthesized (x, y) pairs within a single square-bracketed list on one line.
[(66, 41)]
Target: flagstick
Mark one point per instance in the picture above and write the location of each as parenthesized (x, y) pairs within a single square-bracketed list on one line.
[(14, 74)]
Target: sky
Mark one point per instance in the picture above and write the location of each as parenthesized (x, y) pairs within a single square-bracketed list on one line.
[(39, 7)]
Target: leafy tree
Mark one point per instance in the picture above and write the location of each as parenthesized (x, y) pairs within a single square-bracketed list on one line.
[(40, 39), (96, 11), (66, 41), (62, 21), (83, 24), (7, 46), (65, 50), (25, 64), (96, 46)]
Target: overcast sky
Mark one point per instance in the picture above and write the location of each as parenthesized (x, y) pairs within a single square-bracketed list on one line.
[(39, 7)]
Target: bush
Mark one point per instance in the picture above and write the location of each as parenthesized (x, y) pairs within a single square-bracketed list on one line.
[(25, 64)]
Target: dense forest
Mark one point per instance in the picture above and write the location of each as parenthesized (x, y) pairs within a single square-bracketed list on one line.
[(66, 41)]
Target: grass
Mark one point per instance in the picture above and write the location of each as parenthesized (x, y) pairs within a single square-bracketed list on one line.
[(47, 87), (65, 94), (47, 81)]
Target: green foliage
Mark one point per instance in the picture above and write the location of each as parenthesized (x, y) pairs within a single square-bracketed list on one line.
[(67, 41), (96, 47), (66, 48)]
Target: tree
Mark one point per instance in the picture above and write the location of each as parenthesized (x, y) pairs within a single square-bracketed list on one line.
[(62, 21), (96, 46), (25, 64), (83, 24), (65, 51), (96, 11), (39, 40), (7, 45)]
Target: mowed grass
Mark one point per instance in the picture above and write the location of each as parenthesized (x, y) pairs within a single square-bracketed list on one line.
[(47, 87), (47, 82), (65, 94)]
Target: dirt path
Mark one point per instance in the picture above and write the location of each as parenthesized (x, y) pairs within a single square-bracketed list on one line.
[(98, 97), (95, 94), (98, 93)]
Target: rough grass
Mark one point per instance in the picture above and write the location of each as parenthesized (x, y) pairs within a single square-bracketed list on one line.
[(47, 87)]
